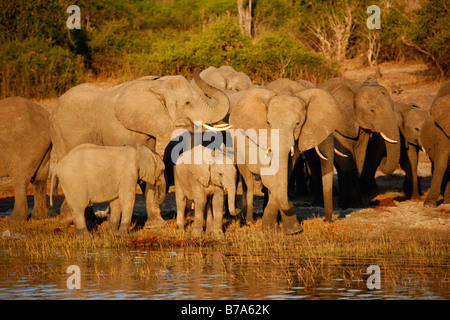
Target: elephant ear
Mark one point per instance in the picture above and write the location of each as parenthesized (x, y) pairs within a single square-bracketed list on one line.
[(147, 163), (140, 109), (440, 110), (322, 117), (344, 91), (251, 110), (201, 172)]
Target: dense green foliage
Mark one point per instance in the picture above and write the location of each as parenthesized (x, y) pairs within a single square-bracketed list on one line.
[(123, 40)]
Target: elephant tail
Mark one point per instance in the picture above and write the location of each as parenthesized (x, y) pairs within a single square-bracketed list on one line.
[(52, 182)]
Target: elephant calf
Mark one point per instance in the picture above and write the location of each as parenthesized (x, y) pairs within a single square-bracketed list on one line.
[(204, 183), (92, 174)]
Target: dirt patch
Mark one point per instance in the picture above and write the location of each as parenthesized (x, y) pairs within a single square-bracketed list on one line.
[(405, 82)]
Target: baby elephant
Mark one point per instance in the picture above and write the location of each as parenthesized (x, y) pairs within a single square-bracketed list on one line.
[(92, 174), (204, 183)]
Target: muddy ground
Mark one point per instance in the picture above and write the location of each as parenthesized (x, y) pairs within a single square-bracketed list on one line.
[(406, 83)]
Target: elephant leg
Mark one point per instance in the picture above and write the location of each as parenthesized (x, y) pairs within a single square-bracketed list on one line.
[(20, 211), (291, 225), (269, 219), (376, 149), (314, 164), (349, 191), (181, 209), (349, 187), (114, 215), (65, 213), (248, 181), (127, 200), (217, 207), (439, 169), (154, 219), (40, 209), (79, 220), (209, 216), (412, 189), (200, 203)]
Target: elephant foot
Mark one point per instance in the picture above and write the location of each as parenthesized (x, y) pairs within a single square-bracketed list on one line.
[(218, 235), (291, 225), (83, 233), (65, 214), (328, 217), (415, 196), (39, 214), (155, 222), (18, 216), (197, 233), (123, 231), (430, 203)]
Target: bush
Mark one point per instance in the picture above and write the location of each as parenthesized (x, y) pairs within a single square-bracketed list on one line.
[(35, 68), (266, 58), (430, 35)]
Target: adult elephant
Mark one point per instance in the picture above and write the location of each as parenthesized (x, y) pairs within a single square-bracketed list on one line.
[(435, 137), (303, 120), (25, 155), (132, 113), (320, 159), (226, 78), (366, 108), (410, 119)]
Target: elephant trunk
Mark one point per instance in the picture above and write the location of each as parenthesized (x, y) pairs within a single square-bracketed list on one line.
[(231, 200), (392, 139), (211, 113), (281, 193), (161, 188)]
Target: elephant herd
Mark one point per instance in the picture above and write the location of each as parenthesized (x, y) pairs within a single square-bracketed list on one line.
[(104, 140)]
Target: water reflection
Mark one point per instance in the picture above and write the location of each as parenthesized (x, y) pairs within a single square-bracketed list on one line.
[(208, 274)]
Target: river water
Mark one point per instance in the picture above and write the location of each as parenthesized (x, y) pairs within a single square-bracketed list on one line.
[(199, 273)]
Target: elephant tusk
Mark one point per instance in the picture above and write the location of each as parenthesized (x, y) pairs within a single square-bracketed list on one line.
[(319, 153), (221, 125), (423, 150), (206, 126), (340, 153), (387, 139), (292, 151)]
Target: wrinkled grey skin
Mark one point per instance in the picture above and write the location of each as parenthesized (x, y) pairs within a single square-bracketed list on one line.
[(321, 170), (410, 119), (25, 153), (366, 108), (435, 138), (296, 118), (91, 174), (226, 78), (132, 113), (204, 183)]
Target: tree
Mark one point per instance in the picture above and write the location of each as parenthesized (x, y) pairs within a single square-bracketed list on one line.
[(245, 17)]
